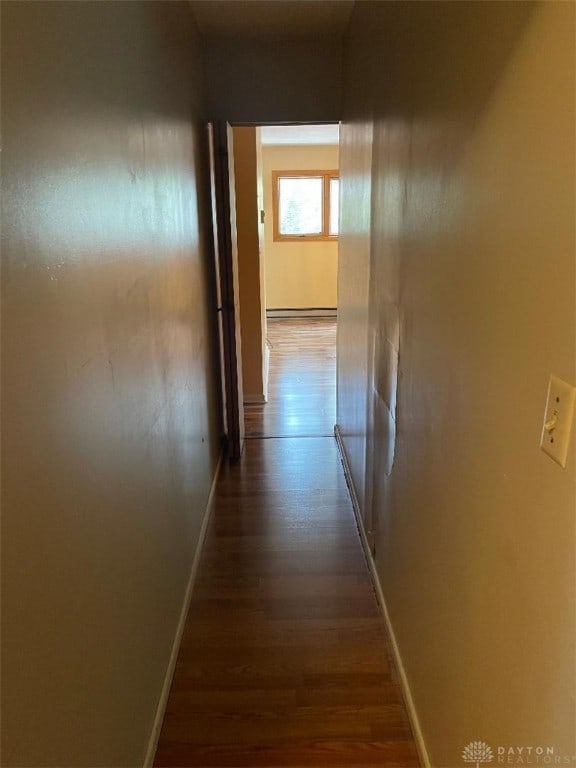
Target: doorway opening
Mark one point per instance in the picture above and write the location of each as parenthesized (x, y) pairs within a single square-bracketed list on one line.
[(287, 220)]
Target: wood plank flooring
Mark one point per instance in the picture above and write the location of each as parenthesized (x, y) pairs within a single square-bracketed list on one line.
[(301, 384), (284, 658)]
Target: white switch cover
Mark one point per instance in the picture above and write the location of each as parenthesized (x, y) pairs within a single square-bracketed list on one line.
[(558, 419)]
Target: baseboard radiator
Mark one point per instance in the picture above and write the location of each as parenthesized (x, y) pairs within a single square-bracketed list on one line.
[(302, 312)]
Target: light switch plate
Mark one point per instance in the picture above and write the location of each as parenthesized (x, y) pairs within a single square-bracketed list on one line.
[(558, 420)]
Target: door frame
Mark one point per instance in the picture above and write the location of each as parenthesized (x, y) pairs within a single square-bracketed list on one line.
[(227, 280), (227, 296)]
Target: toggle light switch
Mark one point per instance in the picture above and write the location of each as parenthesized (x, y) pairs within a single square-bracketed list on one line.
[(558, 419)]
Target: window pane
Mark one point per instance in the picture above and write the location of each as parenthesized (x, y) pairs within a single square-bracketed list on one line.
[(334, 205), (300, 203)]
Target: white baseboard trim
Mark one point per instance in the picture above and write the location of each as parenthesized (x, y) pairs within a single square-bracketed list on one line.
[(405, 687), (266, 370), (347, 472), (163, 701), (254, 399), (306, 312)]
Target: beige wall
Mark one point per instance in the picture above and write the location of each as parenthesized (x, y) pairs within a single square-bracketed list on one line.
[(298, 275), (251, 290), (471, 282), (108, 417), (352, 294), (285, 80)]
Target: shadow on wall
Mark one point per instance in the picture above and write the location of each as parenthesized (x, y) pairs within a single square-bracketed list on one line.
[(480, 37), (109, 396)]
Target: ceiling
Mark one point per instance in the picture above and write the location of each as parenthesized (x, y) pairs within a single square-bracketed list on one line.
[(299, 134), (272, 18)]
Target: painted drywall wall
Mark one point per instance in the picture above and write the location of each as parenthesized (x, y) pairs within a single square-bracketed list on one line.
[(298, 275), (472, 307), (253, 331), (352, 299), (267, 80), (109, 422)]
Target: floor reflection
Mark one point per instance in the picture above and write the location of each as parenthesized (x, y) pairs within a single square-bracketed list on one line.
[(302, 380)]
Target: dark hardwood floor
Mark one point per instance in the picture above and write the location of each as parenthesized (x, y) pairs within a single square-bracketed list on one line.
[(284, 658)]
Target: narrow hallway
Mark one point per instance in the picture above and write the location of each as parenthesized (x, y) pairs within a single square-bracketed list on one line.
[(283, 660)]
